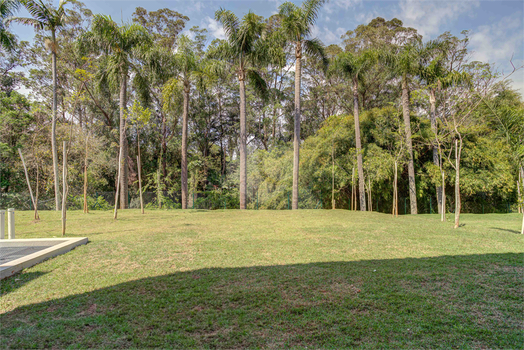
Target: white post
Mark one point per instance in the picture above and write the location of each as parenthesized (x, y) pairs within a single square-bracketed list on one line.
[(11, 223), (2, 224)]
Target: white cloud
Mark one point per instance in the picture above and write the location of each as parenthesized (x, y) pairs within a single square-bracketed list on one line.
[(498, 43), (214, 27), (325, 35), (335, 5), (429, 16)]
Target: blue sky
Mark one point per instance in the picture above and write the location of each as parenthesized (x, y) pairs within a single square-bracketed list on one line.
[(496, 27)]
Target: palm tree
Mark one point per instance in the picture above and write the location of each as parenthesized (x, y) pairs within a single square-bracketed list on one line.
[(7, 9), (187, 63), (118, 44), (297, 24), (353, 66), (44, 17), (245, 50), (405, 62)]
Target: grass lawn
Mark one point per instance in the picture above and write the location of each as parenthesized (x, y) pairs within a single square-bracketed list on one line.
[(271, 279)]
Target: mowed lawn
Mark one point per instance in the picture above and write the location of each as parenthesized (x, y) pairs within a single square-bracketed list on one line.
[(269, 279)]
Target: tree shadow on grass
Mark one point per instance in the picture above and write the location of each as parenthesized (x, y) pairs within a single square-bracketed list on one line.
[(505, 230), (442, 302)]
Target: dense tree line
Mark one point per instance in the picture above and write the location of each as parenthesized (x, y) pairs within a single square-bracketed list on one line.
[(269, 110)]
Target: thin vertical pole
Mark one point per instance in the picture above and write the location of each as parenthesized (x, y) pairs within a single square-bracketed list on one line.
[(11, 223), (2, 224)]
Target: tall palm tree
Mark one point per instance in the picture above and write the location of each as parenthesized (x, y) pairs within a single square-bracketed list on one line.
[(187, 63), (353, 66), (245, 50), (406, 62), (44, 17), (7, 9), (297, 24), (118, 44)]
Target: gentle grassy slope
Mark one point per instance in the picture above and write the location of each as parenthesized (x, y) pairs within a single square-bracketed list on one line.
[(234, 279)]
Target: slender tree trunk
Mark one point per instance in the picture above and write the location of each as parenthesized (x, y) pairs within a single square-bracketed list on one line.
[(139, 165), (395, 192), (458, 150), (123, 143), (407, 125), (53, 122), (522, 178), (27, 180), (443, 211), (360, 164), (86, 208), (296, 136), (520, 183), (370, 202), (183, 174), (353, 194), (436, 161), (64, 190), (243, 141), (443, 186), (118, 178), (333, 178), (37, 217)]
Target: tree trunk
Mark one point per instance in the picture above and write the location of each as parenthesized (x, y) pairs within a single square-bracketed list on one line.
[(407, 126), (370, 202), (139, 165), (86, 208), (520, 183), (333, 178), (53, 122), (27, 179), (296, 136), (243, 141), (443, 186), (123, 143), (64, 189), (395, 192), (522, 177), (360, 164), (433, 119), (37, 217), (458, 150), (353, 191), (118, 178), (183, 174)]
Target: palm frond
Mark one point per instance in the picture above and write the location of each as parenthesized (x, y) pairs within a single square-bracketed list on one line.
[(257, 83), (315, 48), (311, 8), (33, 22), (230, 23)]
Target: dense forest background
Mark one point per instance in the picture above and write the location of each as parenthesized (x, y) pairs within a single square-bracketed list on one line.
[(132, 84)]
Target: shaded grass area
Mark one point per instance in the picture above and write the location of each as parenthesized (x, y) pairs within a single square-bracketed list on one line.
[(231, 279)]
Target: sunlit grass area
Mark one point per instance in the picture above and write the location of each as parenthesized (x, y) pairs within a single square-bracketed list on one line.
[(272, 279)]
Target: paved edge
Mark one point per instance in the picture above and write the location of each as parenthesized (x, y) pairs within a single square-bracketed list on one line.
[(12, 267)]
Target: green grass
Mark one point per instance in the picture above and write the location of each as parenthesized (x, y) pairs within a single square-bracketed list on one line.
[(270, 279)]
